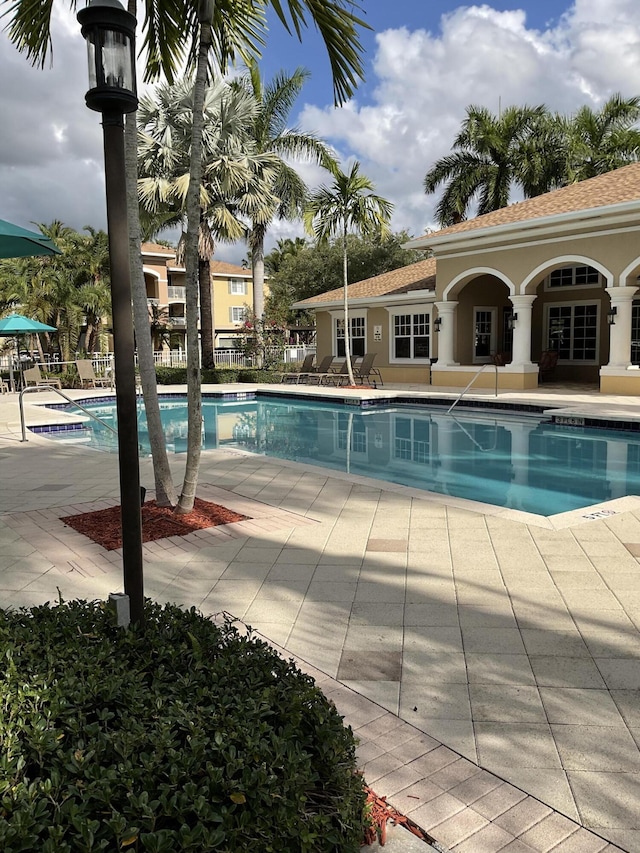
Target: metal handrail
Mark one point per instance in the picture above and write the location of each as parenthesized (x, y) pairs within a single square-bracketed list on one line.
[(36, 388), (473, 379)]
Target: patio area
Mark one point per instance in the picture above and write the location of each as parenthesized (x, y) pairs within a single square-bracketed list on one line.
[(489, 663)]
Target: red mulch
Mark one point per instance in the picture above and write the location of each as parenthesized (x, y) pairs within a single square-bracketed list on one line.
[(380, 812), (104, 526)]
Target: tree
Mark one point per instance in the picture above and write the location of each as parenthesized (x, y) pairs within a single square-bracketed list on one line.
[(236, 179), (349, 204), (302, 269), (271, 135), (601, 141), (485, 162), (227, 28)]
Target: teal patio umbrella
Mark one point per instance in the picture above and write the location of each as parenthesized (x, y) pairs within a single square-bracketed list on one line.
[(17, 242), (16, 324)]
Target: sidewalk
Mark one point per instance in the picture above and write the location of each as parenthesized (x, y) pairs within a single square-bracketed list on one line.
[(491, 668)]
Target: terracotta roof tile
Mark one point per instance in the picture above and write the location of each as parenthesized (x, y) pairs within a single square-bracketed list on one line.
[(419, 276), (156, 247), (223, 268), (621, 185)]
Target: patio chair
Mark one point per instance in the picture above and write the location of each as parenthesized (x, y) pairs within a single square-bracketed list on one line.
[(88, 376), (4, 387), (547, 363), (365, 370), (340, 376), (32, 376), (294, 375), (321, 370)]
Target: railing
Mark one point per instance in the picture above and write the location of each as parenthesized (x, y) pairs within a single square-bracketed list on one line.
[(102, 362), (36, 388), (473, 379)]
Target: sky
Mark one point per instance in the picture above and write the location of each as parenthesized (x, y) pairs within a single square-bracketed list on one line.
[(425, 62)]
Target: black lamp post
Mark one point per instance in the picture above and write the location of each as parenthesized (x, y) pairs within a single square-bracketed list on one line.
[(109, 31)]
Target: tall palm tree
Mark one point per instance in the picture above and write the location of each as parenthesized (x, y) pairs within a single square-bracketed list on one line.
[(224, 28), (602, 140), (271, 135), (236, 178), (485, 162), (349, 204)]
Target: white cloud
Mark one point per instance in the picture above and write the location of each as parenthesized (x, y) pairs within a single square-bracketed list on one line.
[(479, 56)]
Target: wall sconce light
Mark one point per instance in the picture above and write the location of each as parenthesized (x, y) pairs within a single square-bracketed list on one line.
[(611, 315), (437, 323), (511, 321)]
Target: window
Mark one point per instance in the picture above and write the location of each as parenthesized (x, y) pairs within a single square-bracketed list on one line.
[(237, 315), (411, 336), (574, 277), (237, 287), (635, 333), (358, 337), (573, 331)]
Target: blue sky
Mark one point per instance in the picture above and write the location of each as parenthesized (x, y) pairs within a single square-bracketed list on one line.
[(425, 62)]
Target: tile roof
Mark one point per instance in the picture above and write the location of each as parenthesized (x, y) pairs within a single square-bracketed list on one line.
[(418, 276), (223, 268), (621, 185), (156, 247)]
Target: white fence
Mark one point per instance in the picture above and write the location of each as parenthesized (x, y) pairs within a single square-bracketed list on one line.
[(168, 358)]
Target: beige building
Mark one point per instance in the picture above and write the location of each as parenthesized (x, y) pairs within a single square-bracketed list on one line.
[(232, 294), (551, 279)]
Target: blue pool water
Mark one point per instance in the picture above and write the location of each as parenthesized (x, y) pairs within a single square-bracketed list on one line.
[(516, 461)]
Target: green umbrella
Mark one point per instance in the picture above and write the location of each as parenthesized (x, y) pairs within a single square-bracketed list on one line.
[(16, 242), (16, 324)]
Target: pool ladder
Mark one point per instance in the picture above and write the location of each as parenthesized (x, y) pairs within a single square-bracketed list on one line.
[(473, 379)]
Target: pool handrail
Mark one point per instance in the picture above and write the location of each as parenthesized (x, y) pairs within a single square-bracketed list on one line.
[(473, 379), (75, 403)]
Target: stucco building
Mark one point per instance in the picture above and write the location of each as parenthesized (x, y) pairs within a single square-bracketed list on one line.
[(232, 288), (557, 273)]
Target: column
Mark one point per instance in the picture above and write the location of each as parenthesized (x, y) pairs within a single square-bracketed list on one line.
[(620, 331), (446, 335), (522, 306)]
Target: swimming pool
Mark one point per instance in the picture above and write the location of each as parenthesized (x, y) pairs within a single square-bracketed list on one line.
[(513, 460)]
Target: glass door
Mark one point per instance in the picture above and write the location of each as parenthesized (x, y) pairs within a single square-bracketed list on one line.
[(484, 334)]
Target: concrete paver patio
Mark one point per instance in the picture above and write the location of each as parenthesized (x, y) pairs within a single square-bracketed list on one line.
[(485, 649)]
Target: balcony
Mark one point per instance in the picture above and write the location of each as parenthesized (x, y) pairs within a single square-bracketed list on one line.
[(176, 294), (178, 322)]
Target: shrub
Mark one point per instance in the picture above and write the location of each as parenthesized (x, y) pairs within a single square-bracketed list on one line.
[(179, 736), (171, 375)]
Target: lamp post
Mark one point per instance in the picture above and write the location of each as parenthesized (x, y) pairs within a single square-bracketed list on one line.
[(109, 31)]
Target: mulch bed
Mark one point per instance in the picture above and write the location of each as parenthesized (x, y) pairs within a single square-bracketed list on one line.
[(104, 525), (380, 812)]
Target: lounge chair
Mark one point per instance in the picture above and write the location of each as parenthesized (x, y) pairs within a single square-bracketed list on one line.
[(88, 376), (32, 376), (365, 370), (312, 375), (294, 375), (547, 364), (340, 376)]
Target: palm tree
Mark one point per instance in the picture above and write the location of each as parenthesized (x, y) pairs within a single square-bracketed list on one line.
[(236, 179), (603, 140), (227, 28), (485, 162), (271, 135), (348, 205)]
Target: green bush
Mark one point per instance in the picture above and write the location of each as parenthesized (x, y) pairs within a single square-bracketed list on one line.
[(180, 736), (218, 376)]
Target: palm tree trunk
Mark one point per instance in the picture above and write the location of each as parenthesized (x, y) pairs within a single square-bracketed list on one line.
[(165, 490), (257, 274), (207, 328), (347, 329), (194, 390)]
